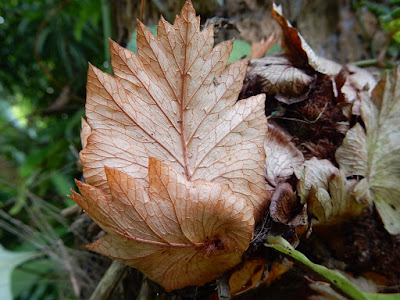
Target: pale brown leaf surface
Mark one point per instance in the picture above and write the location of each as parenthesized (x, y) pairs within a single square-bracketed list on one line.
[(282, 157), (327, 192), (299, 50), (176, 101), (178, 233), (374, 152), (174, 165), (259, 49), (278, 76)]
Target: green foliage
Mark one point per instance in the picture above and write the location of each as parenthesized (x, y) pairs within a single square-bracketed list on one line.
[(241, 49), (8, 262), (388, 13), (45, 49)]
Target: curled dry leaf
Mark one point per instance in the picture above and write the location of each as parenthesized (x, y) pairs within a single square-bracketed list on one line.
[(176, 101), (348, 81), (298, 50), (357, 80), (247, 277), (278, 76), (173, 165), (374, 152), (285, 207), (328, 193), (178, 233), (336, 203), (313, 173), (282, 157)]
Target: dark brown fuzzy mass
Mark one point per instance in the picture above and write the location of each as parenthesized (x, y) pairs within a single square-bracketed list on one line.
[(313, 121)]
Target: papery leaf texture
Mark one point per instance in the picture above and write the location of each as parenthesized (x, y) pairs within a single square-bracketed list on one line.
[(279, 76), (374, 152), (173, 163), (327, 192), (176, 101), (303, 56), (313, 173), (282, 157), (178, 233)]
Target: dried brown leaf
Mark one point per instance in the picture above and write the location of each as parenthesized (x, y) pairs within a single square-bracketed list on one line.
[(178, 233), (298, 50), (173, 163), (247, 277), (282, 157), (278, 76), (176, 101), (374, 152), (327, 192), (285, 207)]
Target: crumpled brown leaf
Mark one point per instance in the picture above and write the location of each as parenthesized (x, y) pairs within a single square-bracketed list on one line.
[(174, 165), (282, 157), (278, 76), (285, 207), (298, 49), (175, 101), (374, 152), (327, 193), (178, 233), (347, 80)]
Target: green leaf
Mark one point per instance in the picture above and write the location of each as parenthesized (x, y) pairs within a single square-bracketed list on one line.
[(8, 262), (241, 49), (374, 152), (62, 183)]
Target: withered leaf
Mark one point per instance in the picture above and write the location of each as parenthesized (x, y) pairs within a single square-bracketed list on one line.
[(176, 101), (173, 163), (353, 79), (282, 157), (313, 173), (298, 49), (178, 233), (285, 208), (327, 193), (247, 277), (374, 153), (336, 203), (278, 76)]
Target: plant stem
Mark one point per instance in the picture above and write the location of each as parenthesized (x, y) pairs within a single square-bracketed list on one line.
[(110, 279), (337, 280), (107, 30)]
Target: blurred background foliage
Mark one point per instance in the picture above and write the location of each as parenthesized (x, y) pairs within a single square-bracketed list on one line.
[(45, 49)]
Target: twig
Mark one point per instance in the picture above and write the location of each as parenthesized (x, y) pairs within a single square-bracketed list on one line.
[(144, 292), (223, 288), (109, 281)]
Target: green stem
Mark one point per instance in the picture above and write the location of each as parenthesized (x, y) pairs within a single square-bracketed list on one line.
[(337, 280), (107, 30)]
